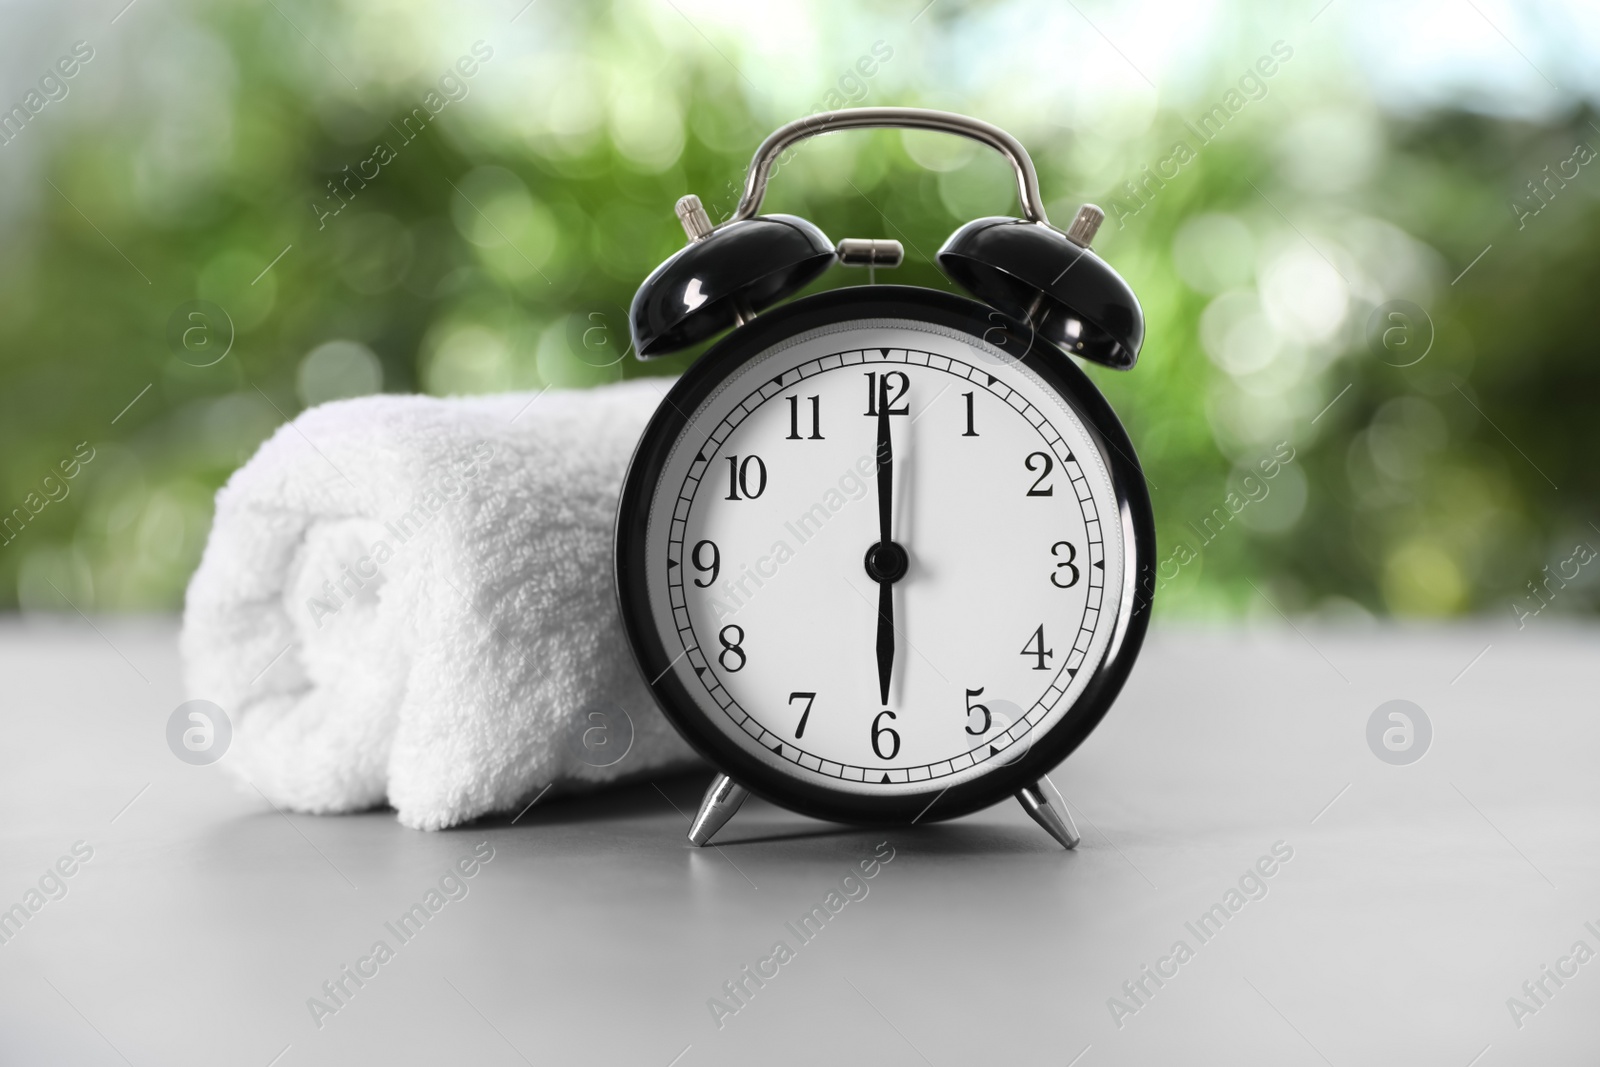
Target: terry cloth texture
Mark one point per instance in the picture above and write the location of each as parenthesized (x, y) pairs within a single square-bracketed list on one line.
[(410, 599)]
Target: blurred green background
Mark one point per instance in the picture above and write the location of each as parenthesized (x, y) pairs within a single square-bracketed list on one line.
[(1380, 258)]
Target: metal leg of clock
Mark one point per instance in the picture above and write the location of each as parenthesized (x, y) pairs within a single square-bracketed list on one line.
[(722, 800), (1058, 824)]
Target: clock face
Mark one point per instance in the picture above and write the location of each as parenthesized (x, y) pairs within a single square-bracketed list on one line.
[(822, 656)]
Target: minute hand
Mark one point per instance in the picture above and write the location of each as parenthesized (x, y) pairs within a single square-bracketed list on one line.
[(885, 476)]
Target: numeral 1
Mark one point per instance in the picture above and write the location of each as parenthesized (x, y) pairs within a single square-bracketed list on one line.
[(970, 431), (794, 419)]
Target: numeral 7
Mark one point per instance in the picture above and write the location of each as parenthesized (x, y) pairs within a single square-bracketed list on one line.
[(799, 731)]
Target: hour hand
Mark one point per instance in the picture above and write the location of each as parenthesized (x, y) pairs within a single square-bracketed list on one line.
[(885, 638)]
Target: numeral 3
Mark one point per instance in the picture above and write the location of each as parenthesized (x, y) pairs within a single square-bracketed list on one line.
[(1055, 575)]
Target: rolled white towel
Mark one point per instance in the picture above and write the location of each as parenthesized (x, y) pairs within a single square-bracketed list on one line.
[(411, 599)]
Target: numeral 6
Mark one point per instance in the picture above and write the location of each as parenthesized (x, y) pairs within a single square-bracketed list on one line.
[(880, 731)]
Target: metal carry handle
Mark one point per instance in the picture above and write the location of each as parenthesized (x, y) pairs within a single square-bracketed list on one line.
[(907, 118)]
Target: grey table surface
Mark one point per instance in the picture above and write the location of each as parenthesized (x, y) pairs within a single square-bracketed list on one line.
[(1417, 902)]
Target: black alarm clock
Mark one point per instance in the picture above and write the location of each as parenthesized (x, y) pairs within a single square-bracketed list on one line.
[(884, 554)]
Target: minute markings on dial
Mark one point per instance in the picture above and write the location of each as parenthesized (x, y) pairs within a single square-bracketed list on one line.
[(1093, 553)]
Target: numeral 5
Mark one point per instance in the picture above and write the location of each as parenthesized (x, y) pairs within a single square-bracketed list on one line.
[(971, 707)]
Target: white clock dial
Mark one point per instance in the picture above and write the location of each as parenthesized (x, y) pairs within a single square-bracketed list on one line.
[(766, 509)]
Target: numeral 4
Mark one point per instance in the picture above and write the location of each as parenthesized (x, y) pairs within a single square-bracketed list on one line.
[(1035, 647)]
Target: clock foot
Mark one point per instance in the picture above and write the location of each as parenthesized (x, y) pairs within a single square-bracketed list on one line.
[(1058, 824), (721, 801)]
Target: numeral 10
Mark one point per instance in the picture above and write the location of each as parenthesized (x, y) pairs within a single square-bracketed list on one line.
[(740, 481)]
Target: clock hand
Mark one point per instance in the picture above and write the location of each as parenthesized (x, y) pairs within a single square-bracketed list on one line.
[(885, 471), (885, 638), (885, 528)]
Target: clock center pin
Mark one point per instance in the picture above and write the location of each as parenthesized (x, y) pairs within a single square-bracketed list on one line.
[(887, 562)]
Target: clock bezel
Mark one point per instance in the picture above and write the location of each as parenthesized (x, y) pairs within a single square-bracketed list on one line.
[(705, 376)]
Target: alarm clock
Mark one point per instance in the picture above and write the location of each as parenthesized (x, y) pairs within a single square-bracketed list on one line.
[(884, 554)]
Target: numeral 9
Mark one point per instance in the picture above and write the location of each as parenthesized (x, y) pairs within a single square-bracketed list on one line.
[(715, 566)]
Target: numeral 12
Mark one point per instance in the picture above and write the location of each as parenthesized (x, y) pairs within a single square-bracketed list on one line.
[(895, 386)]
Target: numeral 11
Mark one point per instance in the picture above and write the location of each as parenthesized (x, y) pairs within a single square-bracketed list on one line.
[(794, 419)]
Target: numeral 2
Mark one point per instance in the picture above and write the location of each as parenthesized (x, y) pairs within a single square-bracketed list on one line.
[(739, 477), (1049, 465)]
